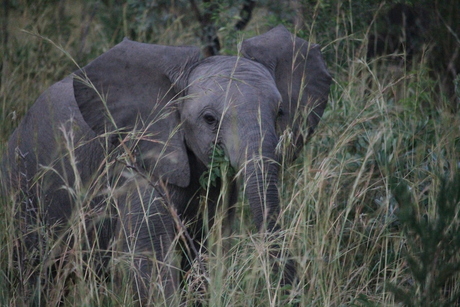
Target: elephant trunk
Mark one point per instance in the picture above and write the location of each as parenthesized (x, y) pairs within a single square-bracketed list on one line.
[(260, 178)]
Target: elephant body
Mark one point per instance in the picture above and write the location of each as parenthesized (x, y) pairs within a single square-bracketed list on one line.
[(131, 134)]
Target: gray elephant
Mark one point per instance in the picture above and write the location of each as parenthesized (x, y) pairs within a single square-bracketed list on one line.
[(135, 130)]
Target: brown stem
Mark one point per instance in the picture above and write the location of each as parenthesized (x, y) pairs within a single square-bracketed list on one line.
[(245, 14), (208, 29)]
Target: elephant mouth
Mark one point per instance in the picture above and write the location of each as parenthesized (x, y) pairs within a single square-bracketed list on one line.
[(219, 167)]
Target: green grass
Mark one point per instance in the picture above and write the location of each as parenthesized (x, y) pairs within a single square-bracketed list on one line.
[(341, 217)]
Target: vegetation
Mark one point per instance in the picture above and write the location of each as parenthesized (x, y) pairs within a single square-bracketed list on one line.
[(370, 207)]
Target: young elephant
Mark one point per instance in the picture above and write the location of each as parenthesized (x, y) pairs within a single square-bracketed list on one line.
[(135, 130)]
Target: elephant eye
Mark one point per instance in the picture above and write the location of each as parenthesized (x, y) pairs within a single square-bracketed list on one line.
[(210, 119), (280, 112)]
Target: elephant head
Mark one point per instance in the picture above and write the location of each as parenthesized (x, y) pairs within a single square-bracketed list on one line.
[(234, 102)]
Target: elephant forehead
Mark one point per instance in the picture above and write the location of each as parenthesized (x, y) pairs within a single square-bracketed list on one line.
[(232, 78)]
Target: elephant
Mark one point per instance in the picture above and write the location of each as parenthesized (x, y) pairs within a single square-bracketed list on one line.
[(135, 130)]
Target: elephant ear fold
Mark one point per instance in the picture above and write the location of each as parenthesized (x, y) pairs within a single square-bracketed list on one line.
[(131, 92), (300, 74)]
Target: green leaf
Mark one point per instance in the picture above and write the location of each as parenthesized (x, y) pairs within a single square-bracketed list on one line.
[(218, 168)]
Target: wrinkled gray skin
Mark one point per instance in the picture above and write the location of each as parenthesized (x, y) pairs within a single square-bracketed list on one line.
[(179, 105)]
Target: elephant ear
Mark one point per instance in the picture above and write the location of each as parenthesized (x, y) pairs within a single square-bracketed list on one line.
[(300, 74), (133, 88)]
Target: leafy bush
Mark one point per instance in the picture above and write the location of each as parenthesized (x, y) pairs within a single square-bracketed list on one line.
[(433, 245)]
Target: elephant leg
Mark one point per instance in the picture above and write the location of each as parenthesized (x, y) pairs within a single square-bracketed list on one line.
[(147, 231)]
